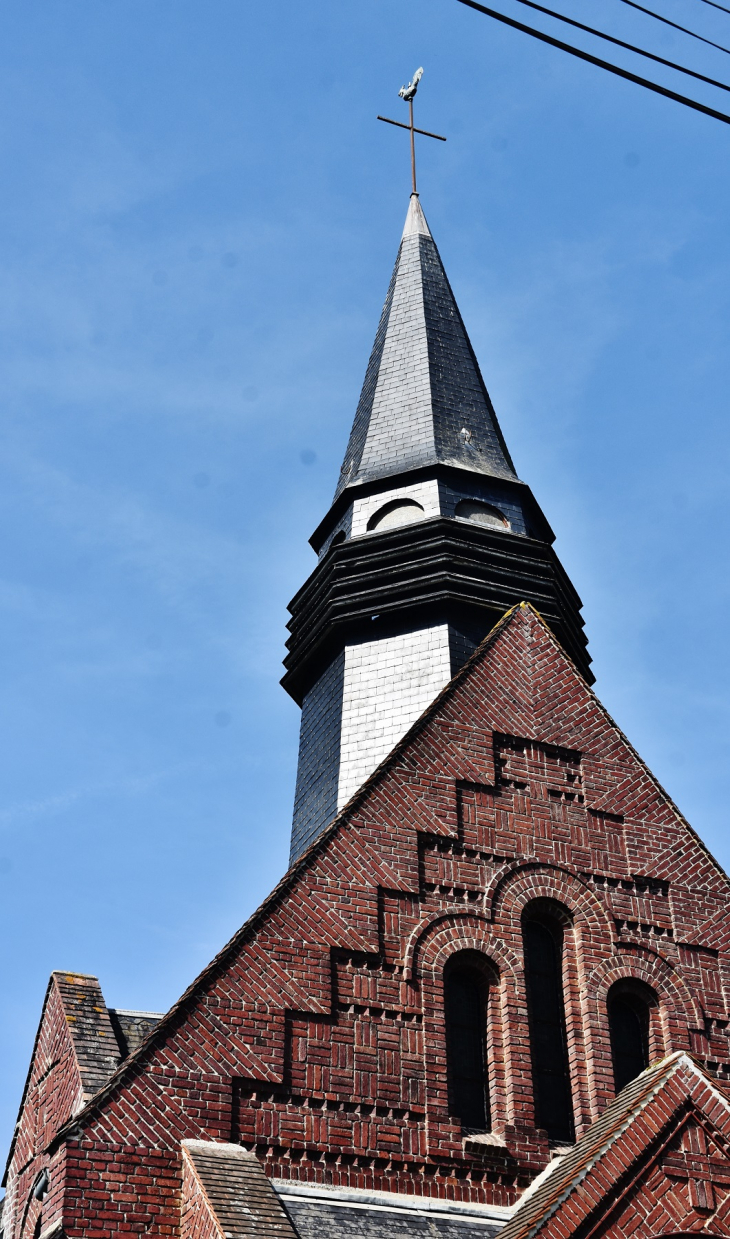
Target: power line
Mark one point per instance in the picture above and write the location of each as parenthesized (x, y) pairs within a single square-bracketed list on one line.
[(594, 60), (716, 6), (620, 43), (667, 22)]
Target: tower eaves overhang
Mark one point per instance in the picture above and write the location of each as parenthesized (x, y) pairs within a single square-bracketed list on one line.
[(436, 570)]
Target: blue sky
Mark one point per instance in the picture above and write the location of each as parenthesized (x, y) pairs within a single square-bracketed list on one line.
[(198, 220)]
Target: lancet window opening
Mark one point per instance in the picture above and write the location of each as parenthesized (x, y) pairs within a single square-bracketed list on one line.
[(467, 984), (631, 1005), (543, 935)]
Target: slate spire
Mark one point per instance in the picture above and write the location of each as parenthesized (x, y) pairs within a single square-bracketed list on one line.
[(423, 401), (430, 538)]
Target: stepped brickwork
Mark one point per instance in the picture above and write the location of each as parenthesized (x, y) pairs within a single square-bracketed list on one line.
[(316, 1040)]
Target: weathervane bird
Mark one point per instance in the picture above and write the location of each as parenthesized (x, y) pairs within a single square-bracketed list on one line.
[(407, 92)]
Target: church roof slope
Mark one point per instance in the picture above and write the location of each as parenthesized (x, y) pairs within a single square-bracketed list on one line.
[(236, 1190), (76, 1038), (424, 401), (594, 1176), (320, 1212)]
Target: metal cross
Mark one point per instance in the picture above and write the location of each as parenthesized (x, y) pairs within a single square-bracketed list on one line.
[(407, 93)]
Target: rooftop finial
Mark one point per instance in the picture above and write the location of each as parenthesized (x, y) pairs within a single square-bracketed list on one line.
[(407, 93)]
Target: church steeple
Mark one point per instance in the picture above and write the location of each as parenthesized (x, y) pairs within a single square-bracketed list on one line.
[(423, 401), (430, 538)]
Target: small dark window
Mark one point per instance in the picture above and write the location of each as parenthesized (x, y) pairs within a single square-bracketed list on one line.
[(339, 537), (628, 1018), (466, 991), (542, 936)]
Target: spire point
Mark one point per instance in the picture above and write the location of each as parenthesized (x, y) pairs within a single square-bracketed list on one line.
[(415, 224)]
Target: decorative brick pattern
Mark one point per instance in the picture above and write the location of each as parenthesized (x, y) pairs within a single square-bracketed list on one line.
[(316, 1038), (657, 1162)]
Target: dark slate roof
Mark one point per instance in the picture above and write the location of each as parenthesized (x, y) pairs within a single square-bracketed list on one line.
[(552, 1187), (423, 383), (322, 1213), (241, 1197), (93, 1038), (131, 1027)]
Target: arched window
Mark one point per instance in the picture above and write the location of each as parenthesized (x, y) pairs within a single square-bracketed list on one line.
[(629, 1015), (481, 514), (466, 994), (542, 937), (397, 512)]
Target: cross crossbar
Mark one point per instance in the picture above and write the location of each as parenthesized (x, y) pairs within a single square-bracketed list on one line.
[(400, 125), (406, 93)]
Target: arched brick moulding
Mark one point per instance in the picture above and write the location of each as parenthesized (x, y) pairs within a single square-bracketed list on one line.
[(589, 940), (532, 880), (677, 1009), (440, 941)]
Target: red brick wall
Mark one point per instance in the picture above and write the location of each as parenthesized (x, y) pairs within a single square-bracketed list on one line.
[(317, 1039), (54, 1091), (114, 1189)]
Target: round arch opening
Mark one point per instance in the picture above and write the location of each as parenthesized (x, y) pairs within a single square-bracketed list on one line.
[(396, 513)]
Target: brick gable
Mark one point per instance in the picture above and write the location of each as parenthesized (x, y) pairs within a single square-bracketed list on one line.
[(74, 1054), (656, 1162), (316, 1039)]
